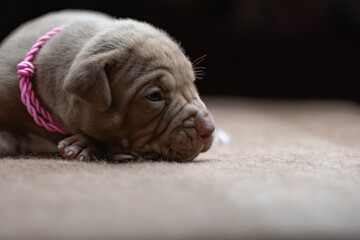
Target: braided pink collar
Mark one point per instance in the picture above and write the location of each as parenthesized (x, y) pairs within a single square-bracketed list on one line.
[(25, 70)]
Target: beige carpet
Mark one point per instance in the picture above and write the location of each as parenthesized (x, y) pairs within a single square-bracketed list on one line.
[(291, 170)]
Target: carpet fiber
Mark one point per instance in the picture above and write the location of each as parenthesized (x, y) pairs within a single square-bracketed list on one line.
[(292, 170)]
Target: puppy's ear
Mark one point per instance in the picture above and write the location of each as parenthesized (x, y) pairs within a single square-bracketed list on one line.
[(88, 80)]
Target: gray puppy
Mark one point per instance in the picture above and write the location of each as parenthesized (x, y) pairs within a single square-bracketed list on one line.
[(118, 86)]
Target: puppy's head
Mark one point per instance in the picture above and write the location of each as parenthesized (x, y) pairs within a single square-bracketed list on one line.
[(135, 91)]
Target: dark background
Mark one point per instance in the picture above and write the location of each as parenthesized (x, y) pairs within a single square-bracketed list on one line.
[(255, 48)]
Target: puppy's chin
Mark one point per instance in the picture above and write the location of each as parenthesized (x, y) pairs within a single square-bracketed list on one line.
[(208, 144)]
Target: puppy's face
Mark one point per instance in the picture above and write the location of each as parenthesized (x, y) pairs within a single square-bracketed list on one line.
[(142, 99)]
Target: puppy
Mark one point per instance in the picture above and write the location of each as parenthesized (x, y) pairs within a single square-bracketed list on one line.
[(117, 86)]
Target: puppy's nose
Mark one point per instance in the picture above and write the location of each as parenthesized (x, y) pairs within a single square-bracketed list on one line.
[(204, 124), (206, 131)]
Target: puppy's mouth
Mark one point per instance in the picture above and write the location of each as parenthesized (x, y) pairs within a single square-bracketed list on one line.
[(182, 148), (188, 151)]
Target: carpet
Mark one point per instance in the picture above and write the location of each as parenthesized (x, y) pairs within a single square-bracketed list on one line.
[(292, 170)]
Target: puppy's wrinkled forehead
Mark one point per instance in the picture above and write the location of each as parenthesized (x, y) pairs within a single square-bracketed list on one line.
[(152, 47)]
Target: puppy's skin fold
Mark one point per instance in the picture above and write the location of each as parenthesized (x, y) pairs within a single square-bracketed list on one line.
[(119, 86)]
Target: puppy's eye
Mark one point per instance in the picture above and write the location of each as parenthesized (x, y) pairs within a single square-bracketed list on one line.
[(154, 97)]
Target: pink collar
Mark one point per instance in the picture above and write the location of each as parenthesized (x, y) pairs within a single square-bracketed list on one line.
[(25, 70)]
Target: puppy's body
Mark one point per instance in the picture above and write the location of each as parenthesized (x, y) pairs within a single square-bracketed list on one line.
[(52, 63), (90, 76)]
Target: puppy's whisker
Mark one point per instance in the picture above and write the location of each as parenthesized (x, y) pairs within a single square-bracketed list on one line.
[(196, 68), (200, 72), (198, 60)]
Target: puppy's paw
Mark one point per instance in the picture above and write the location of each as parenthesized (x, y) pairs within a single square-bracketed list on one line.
[(79, 147)]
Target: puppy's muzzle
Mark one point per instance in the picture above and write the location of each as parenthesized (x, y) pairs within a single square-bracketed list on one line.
[(205, 128)]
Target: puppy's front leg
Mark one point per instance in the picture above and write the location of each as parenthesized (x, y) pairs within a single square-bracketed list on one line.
[(80, 147)]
